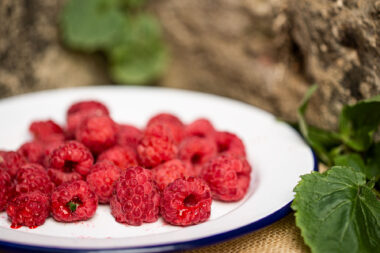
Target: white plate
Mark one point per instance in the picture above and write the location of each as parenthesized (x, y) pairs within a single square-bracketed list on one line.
[(276, 152)]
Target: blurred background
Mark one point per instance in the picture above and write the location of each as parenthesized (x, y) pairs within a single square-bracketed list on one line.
[(264, 52)]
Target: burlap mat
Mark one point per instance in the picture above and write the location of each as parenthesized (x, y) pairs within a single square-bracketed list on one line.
[(282, 236)]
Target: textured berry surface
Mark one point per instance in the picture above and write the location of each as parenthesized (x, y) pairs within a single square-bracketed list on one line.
[(46, 131), (11, 161), (128, 135), (201, 127), (59, 177), (73, 201), (33, 151), (169, 171), (157, 146), (29, 209), (228, 177), (102, 178), (33, 177), (122, 156), (171, 121), (6, 189), (186, 202), (197, 151), (136, 198), (97, 133), (229, 143), (72, 156)]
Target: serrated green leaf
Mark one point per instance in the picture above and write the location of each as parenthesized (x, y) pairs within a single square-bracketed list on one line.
[(357, 123), (91, 25), (337, 212)]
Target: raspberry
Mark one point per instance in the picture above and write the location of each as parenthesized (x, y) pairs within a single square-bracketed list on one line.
[(197, 151), (157, 146), (28, 209), (6, 189), (12, 161), (173, 122), (169, 171), (33, 151), (102, 178), (72, 156), (122, 156), (98, 133), (228, 177), (229, 143), (73, 201), (48, 150), (46, 131), (33, 177), (128, 135), (59, 177), (200, 127), (136, 198), (186, 202)]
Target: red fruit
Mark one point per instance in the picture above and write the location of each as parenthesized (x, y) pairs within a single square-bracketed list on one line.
[(186, 202), (200, 127), (88, 105), (73, 201), (228, 177), (59, 177), (128, 135), (97, 133), (46, 131), (28, 209), (157, 146), (33, 151), (197, 151), (136, 198), (6, 189), (169, 171), (229, 143), (72, 156), (173, 122), (122, 156), (48, 150), (33, 177), (11, 162), (102, 178)]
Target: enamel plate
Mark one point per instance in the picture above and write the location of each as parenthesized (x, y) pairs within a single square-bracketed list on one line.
[(277, 153)]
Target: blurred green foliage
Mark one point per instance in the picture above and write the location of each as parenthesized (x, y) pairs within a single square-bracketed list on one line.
[(130, 38)]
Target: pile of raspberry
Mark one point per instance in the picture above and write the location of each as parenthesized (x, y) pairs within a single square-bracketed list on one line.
[(167, 169)]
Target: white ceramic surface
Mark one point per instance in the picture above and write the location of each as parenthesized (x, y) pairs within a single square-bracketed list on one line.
[(276, 152)]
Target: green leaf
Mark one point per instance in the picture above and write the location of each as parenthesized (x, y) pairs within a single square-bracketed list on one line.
[(351, 160), (91, 25), (357, 123), (132, 3), (72, 206), (373, 162), (337, 212)]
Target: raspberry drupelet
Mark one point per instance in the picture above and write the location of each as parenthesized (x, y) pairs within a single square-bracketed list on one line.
[(33, 177), (201, 127), (169, 171), (122, 156), (173, 122), (46, 131), (128, 135), (186, 202), (229, 143), (6, 189), (136, 198), (73, 201)]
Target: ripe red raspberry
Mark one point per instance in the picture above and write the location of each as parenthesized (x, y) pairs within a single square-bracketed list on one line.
[(228, 177), (128, 135), (11, 162), (197, 151), (88, 105), (72, 156), (201, 127), (157, 146), (29, 209), (229, 143), (136, 198), (173, 122), (33, 151), (122, 156), (48, 149), (6, 189), (186, 202), (102, 178), (59, 177), (73, 201), (33, 177), (46, 131), (169, 171), (98, 133)]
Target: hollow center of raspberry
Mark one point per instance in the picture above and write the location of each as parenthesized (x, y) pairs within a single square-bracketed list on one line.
[(196, 159), (190, 200), (69, 166), (74, 203), (223, 147)]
